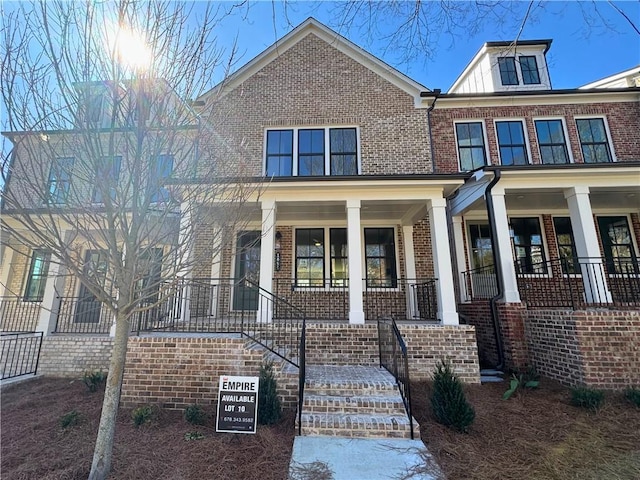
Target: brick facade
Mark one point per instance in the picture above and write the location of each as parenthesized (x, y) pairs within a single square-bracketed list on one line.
[(479, 315), (72, 356)]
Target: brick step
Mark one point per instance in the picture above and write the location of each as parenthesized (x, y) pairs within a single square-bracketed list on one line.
[(387, 404), (349, 389), (357, 425)]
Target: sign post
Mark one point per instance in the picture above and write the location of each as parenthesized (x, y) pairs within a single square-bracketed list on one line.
[(237, 404)]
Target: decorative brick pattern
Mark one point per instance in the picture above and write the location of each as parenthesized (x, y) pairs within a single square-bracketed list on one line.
[(71, 356)]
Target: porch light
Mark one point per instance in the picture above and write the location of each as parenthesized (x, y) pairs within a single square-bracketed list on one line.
[(277, 245)]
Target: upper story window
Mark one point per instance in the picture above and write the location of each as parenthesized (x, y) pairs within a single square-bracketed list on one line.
[(529, 68), (160, 170), (508, 72), (471, 148), (59, 183), (527, 245), (311, 152), (594, 140), (107, 176), (380, 257), (511, 143), (37, 277), (93, 108), (552, 142)]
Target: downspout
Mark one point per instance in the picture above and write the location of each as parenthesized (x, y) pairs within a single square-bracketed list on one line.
[(436, 94), (496, 261)]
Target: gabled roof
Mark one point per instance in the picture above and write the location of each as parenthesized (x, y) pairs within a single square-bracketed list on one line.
[(313, 27), (605, 82)]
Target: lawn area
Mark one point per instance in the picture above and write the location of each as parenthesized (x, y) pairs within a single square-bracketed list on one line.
[(537, 435)]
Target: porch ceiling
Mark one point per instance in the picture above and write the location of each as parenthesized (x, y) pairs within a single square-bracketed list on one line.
[(627, 198), (335, 211)]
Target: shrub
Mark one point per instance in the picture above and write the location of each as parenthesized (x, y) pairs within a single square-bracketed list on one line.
[(269, 407), (448, 401), (587, 398), (193, 436), (520, 382), (195, 415), (142, 415), (633, 396), (93, 379), (70, 419)]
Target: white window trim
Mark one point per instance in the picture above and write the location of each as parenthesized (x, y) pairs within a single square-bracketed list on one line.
[(614, 158), (540, 62), (524, 132), (327, 151), (566, 137), (485, 139), (545, 246)]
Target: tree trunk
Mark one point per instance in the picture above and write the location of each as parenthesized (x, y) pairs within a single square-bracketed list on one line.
[(103, 450)]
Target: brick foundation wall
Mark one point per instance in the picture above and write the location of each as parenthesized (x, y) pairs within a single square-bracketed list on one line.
[(512, 316), (71, 356), (479, 315)]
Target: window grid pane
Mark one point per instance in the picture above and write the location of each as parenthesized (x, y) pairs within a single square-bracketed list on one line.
[(566, 245), (470, 145), (527, 243), (36, 280), (279, 153), (310, 257), (529, 67), (616, 242), (508, 74), (553, 147), (109, 173), (60, 180), (161, 169), (339, 259), (513, 150), (593, 139), (310, 152), (344, 151), (380, 260)]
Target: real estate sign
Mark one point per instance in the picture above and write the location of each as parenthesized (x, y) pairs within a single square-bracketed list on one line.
[(237, 404)]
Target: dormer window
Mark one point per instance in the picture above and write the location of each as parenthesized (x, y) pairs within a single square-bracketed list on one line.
[(508, 72), (529, 67), (93, 108), (528, 70)]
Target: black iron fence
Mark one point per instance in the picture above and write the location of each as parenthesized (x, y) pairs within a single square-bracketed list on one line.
[(480, 283), (302, 373), (19, 353), (16, 315), (393, 357), (321, 298), (405, 299)]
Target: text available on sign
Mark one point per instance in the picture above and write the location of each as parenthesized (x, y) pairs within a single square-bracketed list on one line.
[(237, 404)]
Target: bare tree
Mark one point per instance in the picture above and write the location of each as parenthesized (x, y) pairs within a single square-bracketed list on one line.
[(109, 156)]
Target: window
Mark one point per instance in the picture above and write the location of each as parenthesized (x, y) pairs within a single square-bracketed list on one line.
[(93, 108), (160, 171), (339, 259), (508, 73), (511, 143), (471, 148), (553, 147), (60, 180), (310, 152), (380, 257), (318, 152), (527, 245), (107, 176), (36, 280), (481, 252), (566, 245), (310, 257), (593, 138), (617, 244), (529, 68)]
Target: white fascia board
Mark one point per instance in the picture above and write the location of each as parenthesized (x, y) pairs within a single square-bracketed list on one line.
[(537, 99), (603, 82), (570, 177)]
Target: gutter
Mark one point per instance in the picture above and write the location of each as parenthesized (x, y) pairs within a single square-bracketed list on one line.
[(436, 94)]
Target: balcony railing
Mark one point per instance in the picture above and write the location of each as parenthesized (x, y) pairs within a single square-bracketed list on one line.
[(480, 283), (320, 298), (401, 299), (16, 315), (19, 354)]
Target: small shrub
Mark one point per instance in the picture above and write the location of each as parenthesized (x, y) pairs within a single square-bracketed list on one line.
[(193, 436), (633, 396), (448, 401), (587, 398), (269, 407), (521, 382), (70, 419), (195, 415), (93, 379), (142, 415)]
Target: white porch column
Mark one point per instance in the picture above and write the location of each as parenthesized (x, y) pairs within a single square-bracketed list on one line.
[(267, 243), (503, 241), (50, 304), (587, 245), (185, 258), (458, 240), (442, 261), (216, 264), (410, 268), (5, 274), (354, 249)]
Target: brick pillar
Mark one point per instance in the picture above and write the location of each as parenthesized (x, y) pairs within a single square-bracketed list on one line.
[(512, 317)]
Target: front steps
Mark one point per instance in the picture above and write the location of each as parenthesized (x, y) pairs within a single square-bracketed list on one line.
[(353, 401)]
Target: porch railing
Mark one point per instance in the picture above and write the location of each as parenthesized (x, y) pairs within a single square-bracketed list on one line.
[(401, 299), (393, 357), (16, 315), (19, 353), (321, 298), (82, 315), (480, 283)]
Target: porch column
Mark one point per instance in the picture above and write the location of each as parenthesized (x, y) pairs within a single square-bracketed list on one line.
[(5, 275), (267, 243), (587, 245), (216, 266), (50, 305), (442, 261), (503, 243), (410, 268), (458, 240), (185, 258), (354, 251)]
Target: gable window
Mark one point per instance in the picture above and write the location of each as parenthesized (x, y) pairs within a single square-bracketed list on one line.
[(616, 243), (527, 245), (511, 143), (508, 73), (529, 68), (317, 152), (37, 277), (380, 257), (107, 176), (59, 182), (593, 140), (160, 170), (471, 149), (310, 257), (566, 245), (551, 140)]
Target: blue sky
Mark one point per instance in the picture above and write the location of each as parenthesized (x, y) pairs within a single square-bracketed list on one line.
[(583, 50)]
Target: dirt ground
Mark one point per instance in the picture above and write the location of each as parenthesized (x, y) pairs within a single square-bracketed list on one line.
[(538, 435)]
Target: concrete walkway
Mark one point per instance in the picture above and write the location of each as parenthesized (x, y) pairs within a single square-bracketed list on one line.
[(339, 458)]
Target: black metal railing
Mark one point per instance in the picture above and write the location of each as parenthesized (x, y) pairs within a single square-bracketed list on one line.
[(19, 353), (16, 315), (302, 373), (480, 283), (401, 299), (82, 315), (320, 298), (393, 357)]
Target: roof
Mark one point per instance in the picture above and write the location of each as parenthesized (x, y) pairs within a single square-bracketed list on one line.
[(313, 27), (632, 72)]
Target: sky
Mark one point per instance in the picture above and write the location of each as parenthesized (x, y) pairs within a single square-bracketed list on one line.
[(583, 49)]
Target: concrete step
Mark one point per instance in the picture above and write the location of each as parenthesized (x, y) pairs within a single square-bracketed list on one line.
[(358, 425), (387, 404)]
